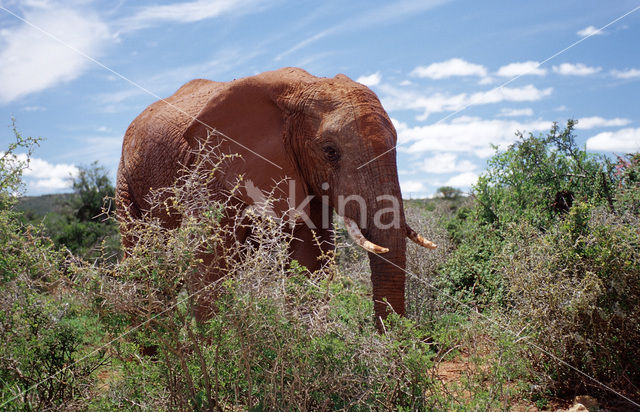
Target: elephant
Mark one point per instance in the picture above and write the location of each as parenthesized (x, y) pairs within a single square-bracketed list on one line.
[(329, 138)]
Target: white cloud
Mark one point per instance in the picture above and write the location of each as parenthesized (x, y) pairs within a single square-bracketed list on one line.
[(32, 61), (187, 12), (44, 177), (516, 112), (486, 80), (370, 80), (442, 163), (408, 186), (462, 180), (521, 69), (34, 108), (400, 99), (597, 121), (589, 31), (449, 68), (623, 140), (464, 135), (625, 74), (578, 69)]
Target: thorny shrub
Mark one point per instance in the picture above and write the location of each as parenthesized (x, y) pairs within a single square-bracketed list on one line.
[(277, 337), (552, 243), (576, 290)]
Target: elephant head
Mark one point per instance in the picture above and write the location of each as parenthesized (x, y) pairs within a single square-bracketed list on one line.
[(328, 138)]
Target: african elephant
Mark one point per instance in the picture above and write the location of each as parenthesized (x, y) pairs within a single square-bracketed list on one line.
[(329, 138)]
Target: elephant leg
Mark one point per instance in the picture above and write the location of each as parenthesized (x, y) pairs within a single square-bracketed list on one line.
[(309, 245)]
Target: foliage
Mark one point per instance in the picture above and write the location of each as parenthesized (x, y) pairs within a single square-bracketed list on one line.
[(575, 289), (92, 187), (448, 192), (12, 166), (83, 225), (42, 332), (627, 173), (552, 242), (104, 334), (537, 178), (277, 337)]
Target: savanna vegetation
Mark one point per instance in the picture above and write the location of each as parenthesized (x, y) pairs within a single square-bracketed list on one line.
[(530, 299)]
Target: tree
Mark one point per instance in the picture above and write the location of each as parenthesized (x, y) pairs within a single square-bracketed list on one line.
[(93, 187), (538, 177), (448, 192), (85, 227)]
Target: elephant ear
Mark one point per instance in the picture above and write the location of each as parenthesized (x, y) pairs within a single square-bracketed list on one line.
[(252, 125)]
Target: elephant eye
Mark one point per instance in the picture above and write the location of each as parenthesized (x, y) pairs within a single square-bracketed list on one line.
[(331, 153)]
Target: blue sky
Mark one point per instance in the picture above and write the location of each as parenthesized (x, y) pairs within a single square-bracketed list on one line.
[(439, 68)]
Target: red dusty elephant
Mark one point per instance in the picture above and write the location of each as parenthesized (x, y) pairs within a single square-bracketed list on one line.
[(328, 138)]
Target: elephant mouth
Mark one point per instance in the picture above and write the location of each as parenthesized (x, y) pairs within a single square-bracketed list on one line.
[(356, 234)]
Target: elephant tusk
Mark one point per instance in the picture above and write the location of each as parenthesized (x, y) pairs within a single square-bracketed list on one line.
[(411, 234), (358, 237)]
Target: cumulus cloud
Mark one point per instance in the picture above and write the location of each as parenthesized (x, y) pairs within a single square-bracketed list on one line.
[(442, 163), (32, 61), (623, 140), (400, 99), (589, 31), (370, 80), (449, 68), (44, 177), (586, 123), (625, 74), (521, 69), (462, 180), (408, 186), (486, 80), (516, 112), (578, 69), (463, 135)]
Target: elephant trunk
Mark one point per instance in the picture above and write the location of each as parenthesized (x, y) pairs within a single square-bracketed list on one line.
[(385, 241), (388, 272)]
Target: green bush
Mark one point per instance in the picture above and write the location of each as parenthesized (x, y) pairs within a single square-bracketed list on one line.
[(84, 226), (576, 289), (43, 328), (552, 242), (627, 172), (537, 178)]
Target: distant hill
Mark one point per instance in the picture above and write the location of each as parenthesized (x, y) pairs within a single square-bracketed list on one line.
[(40, 206)]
